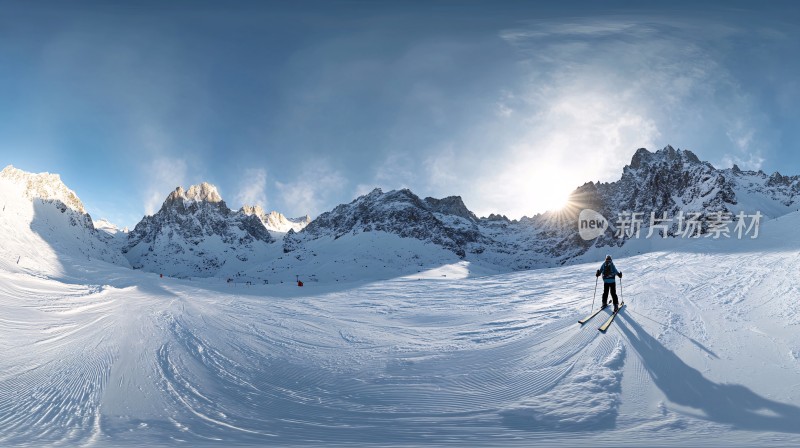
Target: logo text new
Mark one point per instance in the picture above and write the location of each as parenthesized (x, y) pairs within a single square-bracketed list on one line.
[(593, 224)]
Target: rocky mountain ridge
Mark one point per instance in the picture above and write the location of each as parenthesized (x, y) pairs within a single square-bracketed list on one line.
[(40, 207), (46, 187), (446, 222), (195, 233)]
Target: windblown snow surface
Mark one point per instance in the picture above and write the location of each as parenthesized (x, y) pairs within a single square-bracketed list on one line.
[(706, 352)]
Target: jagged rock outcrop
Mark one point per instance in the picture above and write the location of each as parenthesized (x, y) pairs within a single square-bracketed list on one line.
[(668, 181), (44, 186), (444, 222), (196, 234)]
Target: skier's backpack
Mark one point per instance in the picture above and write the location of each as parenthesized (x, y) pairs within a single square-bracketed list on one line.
[(607, 270)]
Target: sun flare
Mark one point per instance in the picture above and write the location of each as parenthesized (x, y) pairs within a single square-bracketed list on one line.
[(551, 191), (556, 201)]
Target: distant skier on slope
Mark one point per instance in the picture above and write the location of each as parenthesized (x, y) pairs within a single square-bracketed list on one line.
[(608, 271)]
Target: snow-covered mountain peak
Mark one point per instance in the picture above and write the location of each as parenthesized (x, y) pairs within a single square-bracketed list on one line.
[(45, 186), (451, 205), (43, 220), (252, 210), (108, 227), (177, 195), (777, 179), (444, 222), (196, 234), (202, 193), (275, 221), (668, 156)]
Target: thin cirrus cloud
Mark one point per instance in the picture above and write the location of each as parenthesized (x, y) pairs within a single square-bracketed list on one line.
[(487, 103), (569, 102), (590, 94), (665, 71), (312, 191), (253, 188), (164, 175)]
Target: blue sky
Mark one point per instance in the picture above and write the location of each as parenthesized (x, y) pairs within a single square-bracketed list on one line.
[(300, 106)]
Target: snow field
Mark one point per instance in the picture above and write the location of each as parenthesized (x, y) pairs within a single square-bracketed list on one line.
[(705, 352), (447, 353)]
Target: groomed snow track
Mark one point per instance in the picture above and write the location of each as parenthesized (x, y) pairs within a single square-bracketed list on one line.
[(707, 353)]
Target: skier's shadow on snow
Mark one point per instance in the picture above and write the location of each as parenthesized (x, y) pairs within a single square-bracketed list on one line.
[(684, 385), (692, 340)]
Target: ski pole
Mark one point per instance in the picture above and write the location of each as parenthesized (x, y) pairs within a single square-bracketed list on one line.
[(595, 292)]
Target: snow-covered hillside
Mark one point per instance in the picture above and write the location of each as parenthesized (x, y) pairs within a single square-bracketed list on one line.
[(44, 225), (706, 353)]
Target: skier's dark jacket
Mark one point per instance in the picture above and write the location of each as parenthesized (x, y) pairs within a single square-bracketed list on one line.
[(612, 271)]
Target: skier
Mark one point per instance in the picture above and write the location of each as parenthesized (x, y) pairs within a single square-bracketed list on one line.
[(608, 271)]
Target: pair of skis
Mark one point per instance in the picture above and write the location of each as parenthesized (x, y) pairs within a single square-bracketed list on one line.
[(608, 321)]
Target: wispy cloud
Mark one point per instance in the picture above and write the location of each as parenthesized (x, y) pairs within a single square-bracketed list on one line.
[(578, 136), (398, 170), (312, 192), (579, 29), (442, 168), (747, 149), (362, 189), (163, 175), (253, 188), (595, 90), (752, 162)]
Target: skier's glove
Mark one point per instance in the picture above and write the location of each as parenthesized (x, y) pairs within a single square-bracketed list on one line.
[(597, 274), (620, 275)]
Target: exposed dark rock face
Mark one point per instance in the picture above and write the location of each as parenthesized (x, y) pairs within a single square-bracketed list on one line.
[(446, 222), (666, 182), (196, 227)]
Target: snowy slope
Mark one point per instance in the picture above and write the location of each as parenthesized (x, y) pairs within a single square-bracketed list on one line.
[(360, 258), (706, 353), (44, 225)]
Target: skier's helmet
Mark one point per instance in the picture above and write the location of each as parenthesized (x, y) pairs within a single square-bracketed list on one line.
[(608, 257)]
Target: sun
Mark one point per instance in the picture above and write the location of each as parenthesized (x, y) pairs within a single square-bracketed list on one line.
[(556, 201), (551, 191)]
